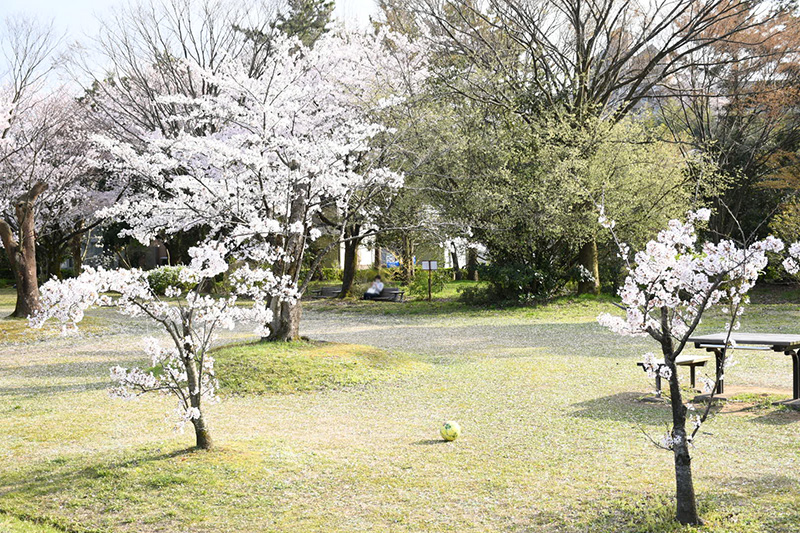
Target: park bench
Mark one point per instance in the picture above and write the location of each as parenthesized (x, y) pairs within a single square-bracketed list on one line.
[(390, 294), (690, 360), (326, 292)]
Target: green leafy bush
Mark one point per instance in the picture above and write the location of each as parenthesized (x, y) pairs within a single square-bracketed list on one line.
[(331, 274), (165, 276), (419, 286), (513, 284), (388, 275)]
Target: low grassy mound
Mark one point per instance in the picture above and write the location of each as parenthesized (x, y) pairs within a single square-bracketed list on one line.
[(262, 368)]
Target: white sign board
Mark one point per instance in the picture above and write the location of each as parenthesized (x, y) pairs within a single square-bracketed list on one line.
[(430, 265)]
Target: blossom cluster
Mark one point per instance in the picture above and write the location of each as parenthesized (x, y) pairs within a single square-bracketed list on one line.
[(676, 275), (44, 142), (191, 319), (256, 159)]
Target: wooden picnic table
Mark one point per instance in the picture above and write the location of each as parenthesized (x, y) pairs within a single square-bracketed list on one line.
[(776, 342)]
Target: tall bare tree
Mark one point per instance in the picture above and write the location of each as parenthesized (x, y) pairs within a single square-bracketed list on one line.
[(585, 59), (737, 103)]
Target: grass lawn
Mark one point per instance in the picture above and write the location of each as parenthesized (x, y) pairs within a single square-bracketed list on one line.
[(341, 434), (258, 368)]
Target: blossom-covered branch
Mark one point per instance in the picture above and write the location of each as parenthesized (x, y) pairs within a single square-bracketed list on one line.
[(184, 368)]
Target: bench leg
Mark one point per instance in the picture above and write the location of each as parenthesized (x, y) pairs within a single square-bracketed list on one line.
[(795, 374), (658, 385), (691, 374)]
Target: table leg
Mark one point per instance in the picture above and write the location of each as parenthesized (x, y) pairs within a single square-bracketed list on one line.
[(658, 385), (795, 374), (721, 383), (691, 374)]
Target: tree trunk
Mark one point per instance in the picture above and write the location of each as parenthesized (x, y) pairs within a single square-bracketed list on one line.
[(456, 266), (472, 264), (194, 369), (350, 261), (376, 262), (286, 315), (587, 258), (202, 435), (52, 256), (408, 259), (22, 253), (285, 324), (76, 250), (686, 512)]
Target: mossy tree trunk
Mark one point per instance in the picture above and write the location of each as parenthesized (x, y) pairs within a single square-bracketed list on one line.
[(408, 259), (590, 279), (193, 363), (21, 252), (351, 244), (285, 324), (456, 266), (472, 264)]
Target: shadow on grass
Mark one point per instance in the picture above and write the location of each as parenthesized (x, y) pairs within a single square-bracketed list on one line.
[(92, 488), (753, 504), (108, 493), (780, 416), (55, 476), (54, 389), (97, 368), (429, 442), (632, 407)]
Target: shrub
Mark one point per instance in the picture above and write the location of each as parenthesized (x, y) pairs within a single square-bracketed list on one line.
[(419, 286), (331, 274), (514, 284), (165, 276), (393, 274)]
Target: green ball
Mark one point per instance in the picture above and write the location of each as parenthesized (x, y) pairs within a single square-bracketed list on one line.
[(450, 431)]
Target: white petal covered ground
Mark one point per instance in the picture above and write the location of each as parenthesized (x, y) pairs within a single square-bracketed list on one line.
[(552, 438)]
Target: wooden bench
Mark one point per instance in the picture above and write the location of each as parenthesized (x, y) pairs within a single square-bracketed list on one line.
[(690, 360), (326, 292), (390, 294)]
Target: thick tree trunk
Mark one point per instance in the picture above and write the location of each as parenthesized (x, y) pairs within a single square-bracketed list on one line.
[(202, 435), (472, 264), (286, 315), (76, 250), (376, 262), (52, 257), (587, 258), (22, 253), (285, 324), (350, 261), (408, 259), (456, 266)]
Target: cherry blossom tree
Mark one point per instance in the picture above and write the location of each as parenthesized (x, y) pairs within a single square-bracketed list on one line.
[(671, 283), (255, 161), (48, 192), (184, 368), (45, 185)]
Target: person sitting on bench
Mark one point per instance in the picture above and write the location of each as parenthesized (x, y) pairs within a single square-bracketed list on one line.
[(374, 291)]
